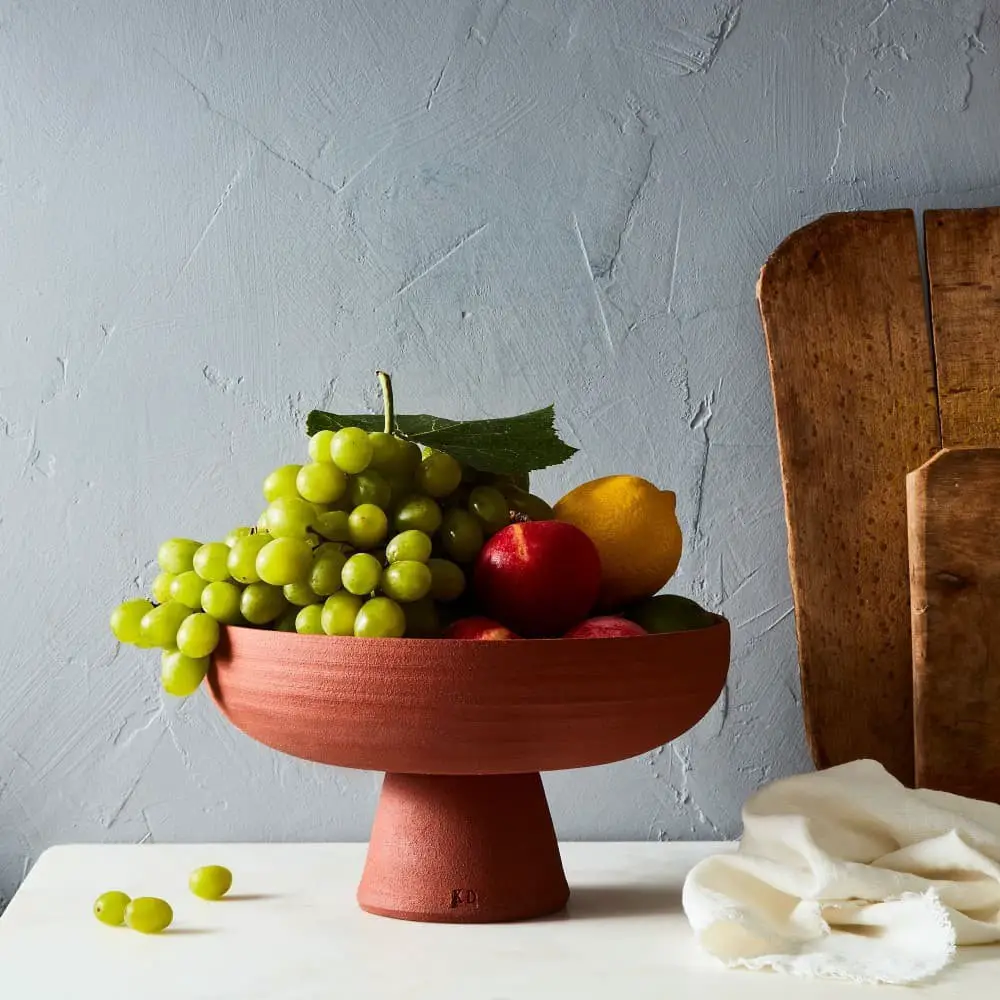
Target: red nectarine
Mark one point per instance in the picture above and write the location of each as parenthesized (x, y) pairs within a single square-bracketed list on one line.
[(605, 627), (478, 628), (538, 577)]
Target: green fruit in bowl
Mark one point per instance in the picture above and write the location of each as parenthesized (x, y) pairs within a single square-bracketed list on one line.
[(526, 506), (374, 536), (669, 613), (422, 619)]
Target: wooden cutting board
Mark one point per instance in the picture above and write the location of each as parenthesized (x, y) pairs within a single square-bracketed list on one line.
[(842, 306), (863, 395), (954, 517)]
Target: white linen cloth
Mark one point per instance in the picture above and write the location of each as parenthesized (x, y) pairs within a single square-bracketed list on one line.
[(849, 874)]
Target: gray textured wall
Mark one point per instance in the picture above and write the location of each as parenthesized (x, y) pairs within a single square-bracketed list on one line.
[(216, 215)]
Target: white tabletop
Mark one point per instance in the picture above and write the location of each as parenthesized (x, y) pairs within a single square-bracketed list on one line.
[(291, 931)]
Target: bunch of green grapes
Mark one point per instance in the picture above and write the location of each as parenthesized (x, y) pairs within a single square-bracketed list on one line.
[(372, 537)]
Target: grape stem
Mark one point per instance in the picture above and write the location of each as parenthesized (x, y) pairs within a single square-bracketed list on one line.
[(387, 404)]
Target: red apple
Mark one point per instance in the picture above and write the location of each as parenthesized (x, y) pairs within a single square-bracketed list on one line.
[(605, 627), (478, 628), (538, 577)]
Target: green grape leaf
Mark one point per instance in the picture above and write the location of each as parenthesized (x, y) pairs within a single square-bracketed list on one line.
[(506, 445)]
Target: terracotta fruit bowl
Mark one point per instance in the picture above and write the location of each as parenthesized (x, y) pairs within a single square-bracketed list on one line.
[(462, 729)]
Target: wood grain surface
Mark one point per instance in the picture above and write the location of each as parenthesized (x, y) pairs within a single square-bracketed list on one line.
[(842, 306), (963, 264), (954, 540), (954, 543)]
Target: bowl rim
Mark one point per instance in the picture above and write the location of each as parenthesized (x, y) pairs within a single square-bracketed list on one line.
[(475, 706), (348, 640)]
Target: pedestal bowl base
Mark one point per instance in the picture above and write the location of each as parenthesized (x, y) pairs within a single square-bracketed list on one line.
[(463, 849), (462, 729)]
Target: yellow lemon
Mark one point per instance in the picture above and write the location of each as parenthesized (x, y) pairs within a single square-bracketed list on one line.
[(634, 526)]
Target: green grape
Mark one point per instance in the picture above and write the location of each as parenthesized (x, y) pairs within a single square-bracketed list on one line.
[(351, 450), (284, 560), (344, 503), (384, 450), (380, 618), (221, 600), (367, 526), (339, 613), (198, 635), (491, 507), (236, 534), (159, 626), (289, 517), (369, 487), (439, 474), (211, 561), (309, 620), (461, 535), (212, 881), (327, 547), (420, 513), (393, 454), (319, 446), (527, 505), (410, 458), (406, 581), (148, 915), (333, 525), (400, 487), (300, 594), (285, 622), (398, 464), (181, 675), (262, 603), (126, 619), (447, 580), (176, 555), (410, 544), (324, 578), (109, 908), (186, 589), (505, 481), (460, 498), (242, 560), (161, 587), (422, 621), (281, 483), (321, 482), (361, 573)]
